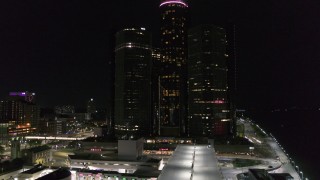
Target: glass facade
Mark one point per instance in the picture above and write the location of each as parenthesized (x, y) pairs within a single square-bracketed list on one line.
[(172, 77), (209, 111), (133, 82), (22, 117)]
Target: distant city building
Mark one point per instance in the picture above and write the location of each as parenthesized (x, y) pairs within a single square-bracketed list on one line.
[(133, 82), (20, 112), (57, 124), (209, 110), (91, 106), (66, 124), (101, 131), (47, 126), (4, 135), (27, 96), (48, 123), (66, 109), (172, 79), (81, 117)]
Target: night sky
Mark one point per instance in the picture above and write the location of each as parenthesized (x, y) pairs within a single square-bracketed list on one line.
[(62, 50)]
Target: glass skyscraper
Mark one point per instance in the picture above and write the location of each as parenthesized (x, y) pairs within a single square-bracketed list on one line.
[(133, 58), (208, 102), (172, 77)]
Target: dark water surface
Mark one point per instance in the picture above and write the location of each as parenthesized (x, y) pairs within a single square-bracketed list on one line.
[(298, 131)]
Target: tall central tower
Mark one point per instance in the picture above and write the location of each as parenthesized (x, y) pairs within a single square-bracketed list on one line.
[(172, 77)]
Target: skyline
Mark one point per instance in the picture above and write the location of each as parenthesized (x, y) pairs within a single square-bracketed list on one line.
[(62, 51)]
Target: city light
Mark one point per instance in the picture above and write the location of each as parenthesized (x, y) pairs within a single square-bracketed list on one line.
[(174, 2)]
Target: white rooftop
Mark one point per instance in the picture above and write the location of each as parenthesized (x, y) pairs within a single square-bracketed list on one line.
[(192, 162)]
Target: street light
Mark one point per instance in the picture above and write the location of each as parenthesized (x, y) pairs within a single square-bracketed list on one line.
[(301, 175)]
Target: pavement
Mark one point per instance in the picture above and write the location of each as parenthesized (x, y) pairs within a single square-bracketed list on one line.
[(286, 167), (280, 161)]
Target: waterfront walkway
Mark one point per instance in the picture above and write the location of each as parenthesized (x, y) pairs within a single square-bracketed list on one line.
[(272, 164), (286, 167)]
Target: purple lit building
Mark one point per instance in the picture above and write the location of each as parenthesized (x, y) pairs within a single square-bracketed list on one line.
[(27, 96)]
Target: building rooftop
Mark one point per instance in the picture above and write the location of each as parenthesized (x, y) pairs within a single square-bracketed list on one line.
[(56, 175), (182, 2), (110, 157), (35, 169), (197, 162), (281, 176), (146, 173), (260, 174), (94, 171), (101, 139)]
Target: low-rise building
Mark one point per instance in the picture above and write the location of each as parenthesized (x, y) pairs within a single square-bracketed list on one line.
[(33, 173), (110, 162), (130, 149), (37, 155), (196, 162)]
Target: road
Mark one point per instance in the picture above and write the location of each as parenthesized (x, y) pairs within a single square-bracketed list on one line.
[(231, 172), (280, 165), (286, 167)]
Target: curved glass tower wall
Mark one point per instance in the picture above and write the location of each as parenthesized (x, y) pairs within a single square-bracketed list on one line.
[(172, 78)]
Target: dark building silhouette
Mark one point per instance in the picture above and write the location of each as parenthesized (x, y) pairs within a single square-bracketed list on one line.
[(156, 65), (232, 73), (208, 101), (91, 106), (133, 58), (172, 78), (64, 109)]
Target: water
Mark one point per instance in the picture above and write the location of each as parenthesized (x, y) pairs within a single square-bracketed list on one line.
[(298, 132)]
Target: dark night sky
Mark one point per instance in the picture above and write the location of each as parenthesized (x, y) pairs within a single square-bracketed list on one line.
[(62, 49)]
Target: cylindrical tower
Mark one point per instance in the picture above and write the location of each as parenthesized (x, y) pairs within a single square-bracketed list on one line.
[(172, 78), (132, 82)]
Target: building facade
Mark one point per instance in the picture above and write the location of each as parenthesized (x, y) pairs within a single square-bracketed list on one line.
[(133, 58), (20, 113), (172, 77), (209, 108)]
